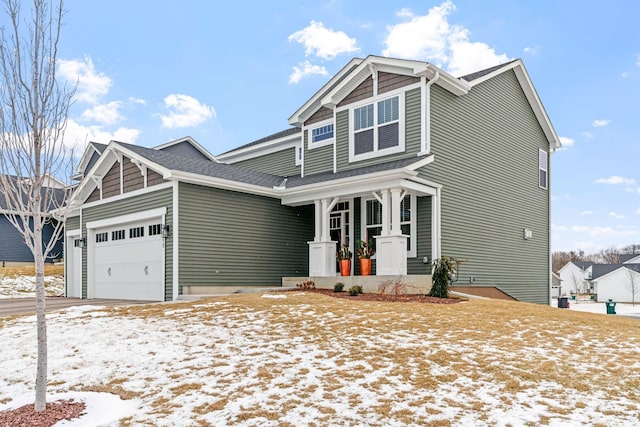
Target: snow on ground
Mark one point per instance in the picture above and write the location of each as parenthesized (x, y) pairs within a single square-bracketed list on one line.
[(622, 309), (223, 362), (25, 286)]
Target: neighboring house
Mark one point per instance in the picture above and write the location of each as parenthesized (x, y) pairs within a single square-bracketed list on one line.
[(397, 150), (606, 281), (13, 248), (556, 285), (574, 276)]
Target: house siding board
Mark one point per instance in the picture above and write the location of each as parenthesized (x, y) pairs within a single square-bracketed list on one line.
[(142, 202), (486, 149), (412, 135), (318, 160), (14, 249), (282, 163), (415, 265), (131, 176), (323, 113), (389, 81), (230, 238), (363, 91), (95, 195), (111, 182), (153, 178)]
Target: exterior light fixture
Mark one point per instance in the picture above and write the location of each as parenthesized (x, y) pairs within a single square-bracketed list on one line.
[(80, 243), (527, 234), (165, 231)]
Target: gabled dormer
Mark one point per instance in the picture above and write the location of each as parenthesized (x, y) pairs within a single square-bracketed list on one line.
[(374, 110)]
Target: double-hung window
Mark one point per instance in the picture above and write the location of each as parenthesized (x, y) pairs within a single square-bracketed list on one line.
[(377, 128), (321, 134), (372, 220), (543, 169)]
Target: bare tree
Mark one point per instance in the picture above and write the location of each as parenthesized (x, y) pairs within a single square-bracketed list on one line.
[(577, 282), (611, 255), (633, 284), (33, 113)]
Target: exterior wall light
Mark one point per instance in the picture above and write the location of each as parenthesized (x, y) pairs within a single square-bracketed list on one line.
[(80, 243), (165, 231), (527, 234)]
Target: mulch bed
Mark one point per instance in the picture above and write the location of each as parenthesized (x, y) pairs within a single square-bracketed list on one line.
[(26, 416), (385, 297)]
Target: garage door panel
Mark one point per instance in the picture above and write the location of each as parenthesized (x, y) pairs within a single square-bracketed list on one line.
[(129, 268)]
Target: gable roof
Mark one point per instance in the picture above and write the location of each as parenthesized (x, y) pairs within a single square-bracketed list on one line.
[(262, 141), (477, 74), (602, 270), (629, 258), (56, 194), (583, 264), (187, 147), (89, 158)]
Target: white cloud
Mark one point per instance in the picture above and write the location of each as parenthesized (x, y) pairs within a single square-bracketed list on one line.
[(606, 232), (77, 135), (638, 211), (91, 84), (431, 38), (305, 69), (532, 50), (185, 111), (625, 75), (638, 59), (586, 213), (600, 123), (324, 42), (587, 134), (106, 114), (555, 227), (616, 215), (615, 180), (566, 142), (135, 100)]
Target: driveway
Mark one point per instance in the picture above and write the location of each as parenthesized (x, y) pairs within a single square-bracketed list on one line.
[(13, 306)]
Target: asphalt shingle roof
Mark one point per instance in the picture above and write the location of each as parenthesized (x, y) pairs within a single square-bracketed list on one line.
[(626, 257), (583, 264), (205, 167), (56, 198), (481, 73), (290, 131)]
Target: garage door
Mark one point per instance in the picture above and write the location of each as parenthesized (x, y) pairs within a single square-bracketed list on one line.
[(128, 261)]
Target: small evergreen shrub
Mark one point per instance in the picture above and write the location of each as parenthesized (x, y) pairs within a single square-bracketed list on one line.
[(338, 287), (355, 290), (443, 268)]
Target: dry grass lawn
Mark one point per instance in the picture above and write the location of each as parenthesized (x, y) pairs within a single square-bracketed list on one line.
[(316, 360), (30, 270)]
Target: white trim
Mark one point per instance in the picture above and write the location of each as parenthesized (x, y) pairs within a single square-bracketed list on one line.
[(400, 148), (540, 169), (299, 153), (74, 232), (262, 149), (132, 217), (129, 194), (225, 184), (335, 141), (310, 128), (413, 223), (175, 240)]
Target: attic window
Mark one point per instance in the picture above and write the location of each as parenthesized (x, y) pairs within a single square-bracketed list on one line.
[(543, 169), (321, 134), (377, 128)]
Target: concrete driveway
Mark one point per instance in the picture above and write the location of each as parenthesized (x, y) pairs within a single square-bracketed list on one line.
[(13, 306)]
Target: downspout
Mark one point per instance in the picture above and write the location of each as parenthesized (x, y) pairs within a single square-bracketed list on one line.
[(426, 141)]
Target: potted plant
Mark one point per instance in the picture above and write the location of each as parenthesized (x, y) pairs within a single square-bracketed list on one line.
[(365, 252), (344, 258)]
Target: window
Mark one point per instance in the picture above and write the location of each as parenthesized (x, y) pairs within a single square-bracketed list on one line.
[(102, 237), (136, 232), (377, 128), (372, 221), (155, 229), (298, 149), (321, 134), (543, 169), (117, 235)]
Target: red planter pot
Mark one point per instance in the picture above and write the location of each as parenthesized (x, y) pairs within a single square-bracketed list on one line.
[(365, 266), (345, 267)]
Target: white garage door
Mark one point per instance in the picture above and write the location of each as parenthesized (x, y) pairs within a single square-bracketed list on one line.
[(128, 261)]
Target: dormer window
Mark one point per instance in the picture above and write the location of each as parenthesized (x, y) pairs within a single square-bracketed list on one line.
[(321, 134), (377, 128)]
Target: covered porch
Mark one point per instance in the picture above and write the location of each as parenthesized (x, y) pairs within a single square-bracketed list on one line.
[(382, 208)]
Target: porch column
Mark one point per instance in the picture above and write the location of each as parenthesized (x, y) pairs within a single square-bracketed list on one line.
[(391, 248), (322, 250), (385, 212)]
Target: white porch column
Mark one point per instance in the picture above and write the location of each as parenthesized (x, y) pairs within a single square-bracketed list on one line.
[(385, 212), (322, 251), (391, 248), (436, 226)]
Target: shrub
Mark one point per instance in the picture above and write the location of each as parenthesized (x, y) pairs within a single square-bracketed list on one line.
[(443, 269), (392, 287), (307, 284), (355, 290), (338, 287)]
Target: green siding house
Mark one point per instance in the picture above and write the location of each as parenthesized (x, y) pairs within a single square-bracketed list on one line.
[(423, 163)]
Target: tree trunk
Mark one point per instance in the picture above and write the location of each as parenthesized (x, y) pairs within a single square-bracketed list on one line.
[(41, 322)]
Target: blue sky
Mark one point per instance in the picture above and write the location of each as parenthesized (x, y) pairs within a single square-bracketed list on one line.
[(227, 73)]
